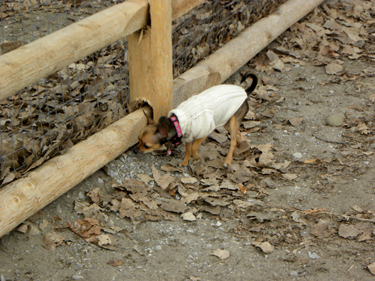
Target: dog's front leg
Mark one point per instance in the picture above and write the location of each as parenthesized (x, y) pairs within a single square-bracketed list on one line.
[(195, 147), (187, 155)]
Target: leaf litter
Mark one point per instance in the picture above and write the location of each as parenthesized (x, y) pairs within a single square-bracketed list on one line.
[(170, 192)]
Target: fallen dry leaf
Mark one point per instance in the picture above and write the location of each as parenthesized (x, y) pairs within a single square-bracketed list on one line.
[(289, 176), (188, 216), (221, 254), (310, 161), (296, 121), (242, 189), (169, 168), (297, 218), (51, 240), (43, 225), (371, 267), (145, 178), (95, 195), (348, 231), (23, 228), (189, 180), (220, 138), (323, 229), (162, 180), (104, 239), (86, 227), (174, 206), (266, 247), (334, 68)]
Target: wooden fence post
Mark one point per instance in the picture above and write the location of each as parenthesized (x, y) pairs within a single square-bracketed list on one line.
[(150, 60)]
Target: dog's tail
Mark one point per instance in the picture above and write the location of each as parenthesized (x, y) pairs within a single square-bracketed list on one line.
[(254, 83)]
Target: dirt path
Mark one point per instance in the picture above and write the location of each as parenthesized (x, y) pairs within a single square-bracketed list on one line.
[(297, 203)]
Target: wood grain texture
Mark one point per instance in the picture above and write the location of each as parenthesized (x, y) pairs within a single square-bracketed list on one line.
[(150, 60)]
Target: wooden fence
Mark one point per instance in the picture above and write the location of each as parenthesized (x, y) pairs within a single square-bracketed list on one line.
[(150, 57)]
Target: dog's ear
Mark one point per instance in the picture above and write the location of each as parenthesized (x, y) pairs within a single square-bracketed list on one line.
[(149, 119)]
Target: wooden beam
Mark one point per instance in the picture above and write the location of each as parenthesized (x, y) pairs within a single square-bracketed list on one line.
[(150, 60), (26, 196), (34, 61), (237, 52)]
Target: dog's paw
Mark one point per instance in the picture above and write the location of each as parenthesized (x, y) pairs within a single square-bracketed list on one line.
[(227, 164), (183, 163)]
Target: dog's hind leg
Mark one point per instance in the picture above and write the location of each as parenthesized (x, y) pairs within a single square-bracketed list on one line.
[(195, 147), (232, 127), (187, 155)]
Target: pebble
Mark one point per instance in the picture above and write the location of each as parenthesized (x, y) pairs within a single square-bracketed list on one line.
[(77, 277), (313, 256), (100, 181), (335, 120), (158, 248), (81, 195), (2, 278), (297, 155), (58, 209), (293, 273)]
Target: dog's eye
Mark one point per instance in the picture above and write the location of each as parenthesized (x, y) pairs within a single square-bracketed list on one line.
[(146, 146)]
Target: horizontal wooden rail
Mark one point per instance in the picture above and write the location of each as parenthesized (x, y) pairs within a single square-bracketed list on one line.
[(227, 60), (32, 62)]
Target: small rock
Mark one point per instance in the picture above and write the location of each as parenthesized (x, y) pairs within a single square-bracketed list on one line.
[(2, 278), (293, 273), (77, 277), (81, 195), (208, 246), (58, 209), (158, 248), (100, 181), (335, 120), (297, 155), (313, 256)]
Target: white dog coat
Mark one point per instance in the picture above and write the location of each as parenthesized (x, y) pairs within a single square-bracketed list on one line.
[(201, 114)]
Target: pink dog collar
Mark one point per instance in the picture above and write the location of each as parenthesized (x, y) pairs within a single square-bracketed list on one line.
[(176, 125), (177, 140)]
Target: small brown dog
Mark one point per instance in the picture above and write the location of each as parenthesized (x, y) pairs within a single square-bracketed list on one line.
[(193, 120)]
